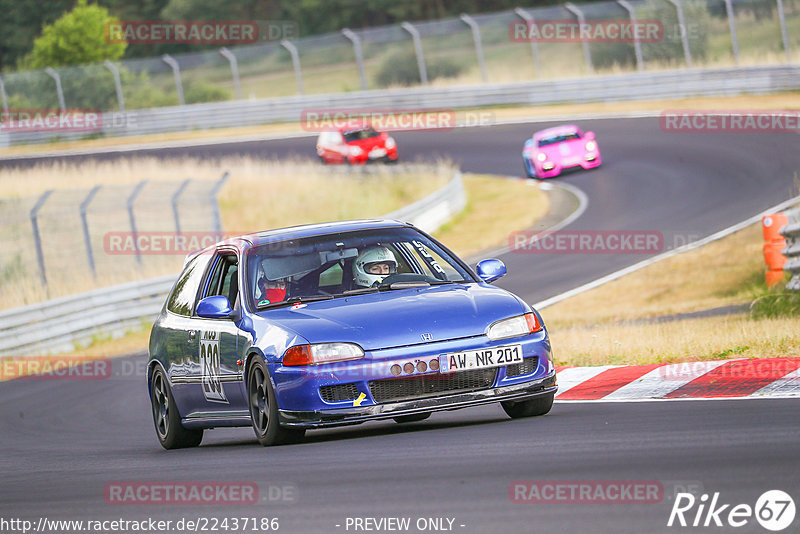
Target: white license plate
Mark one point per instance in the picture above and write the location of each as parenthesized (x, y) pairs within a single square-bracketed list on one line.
[(480, 359), (377, 153), (569, 162)]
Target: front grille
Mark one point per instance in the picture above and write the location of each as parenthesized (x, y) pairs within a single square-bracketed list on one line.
[(338, 392), (526, 367), (415, 387)]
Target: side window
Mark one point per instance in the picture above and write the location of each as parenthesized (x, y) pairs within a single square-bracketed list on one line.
[(224, 280), (181, 301)]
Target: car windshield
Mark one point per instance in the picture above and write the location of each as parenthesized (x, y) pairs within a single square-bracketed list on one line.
[(558, 138), (341, 264), (361, 133)]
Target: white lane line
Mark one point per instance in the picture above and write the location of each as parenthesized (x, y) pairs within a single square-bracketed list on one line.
[(569, 378), (788, 386), (664, 380)]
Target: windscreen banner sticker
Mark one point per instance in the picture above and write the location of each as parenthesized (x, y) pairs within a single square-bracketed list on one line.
[(430, 261), (209, 359)]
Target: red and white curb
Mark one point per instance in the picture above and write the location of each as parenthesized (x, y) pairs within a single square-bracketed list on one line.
[(738, 378)]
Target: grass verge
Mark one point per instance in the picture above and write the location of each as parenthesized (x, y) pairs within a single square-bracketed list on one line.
[(616, 323)]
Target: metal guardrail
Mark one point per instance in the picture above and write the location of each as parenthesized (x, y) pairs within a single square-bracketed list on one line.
[(64, 324), (791, 232), (601, 88)]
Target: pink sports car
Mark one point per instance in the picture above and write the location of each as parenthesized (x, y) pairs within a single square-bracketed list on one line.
[(550, 151)]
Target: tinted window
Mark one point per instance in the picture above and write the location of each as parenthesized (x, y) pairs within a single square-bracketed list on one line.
[(181, 301), (325, 265), (224, 279), (355, 135), (558, 139)]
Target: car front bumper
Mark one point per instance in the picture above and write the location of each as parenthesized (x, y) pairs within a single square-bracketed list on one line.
[(355, 415)]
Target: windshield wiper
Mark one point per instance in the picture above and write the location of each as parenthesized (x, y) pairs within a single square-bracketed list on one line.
[(296, 300)]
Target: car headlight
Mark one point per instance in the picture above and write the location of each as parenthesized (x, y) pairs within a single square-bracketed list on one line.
[(591, 145), (355, 151), (321, 353), (390, 144), (520, 325), (541, 156)]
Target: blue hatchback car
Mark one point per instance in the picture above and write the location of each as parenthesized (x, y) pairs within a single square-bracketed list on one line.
[(337, 324)]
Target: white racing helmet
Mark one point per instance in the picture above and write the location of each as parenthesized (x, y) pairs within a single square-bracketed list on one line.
[(366, 259)]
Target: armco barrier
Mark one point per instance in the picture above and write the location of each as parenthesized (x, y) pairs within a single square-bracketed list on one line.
[(602, 88), (61, 324), (791, 232)]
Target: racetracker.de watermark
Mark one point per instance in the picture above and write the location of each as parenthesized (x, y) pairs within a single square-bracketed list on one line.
[(594, 31), (325, 120), (50, 120), (586, 491), (586, 242), (55, 368), (230, 32), (732, 121), (194, 493)]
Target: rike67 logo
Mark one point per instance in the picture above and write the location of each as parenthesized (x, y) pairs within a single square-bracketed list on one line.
[(774, 510)]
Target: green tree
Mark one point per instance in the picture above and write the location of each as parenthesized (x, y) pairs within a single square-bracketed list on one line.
[(78, 37)]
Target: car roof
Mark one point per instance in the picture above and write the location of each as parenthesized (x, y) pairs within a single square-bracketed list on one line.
[(306, 230), (556, 130)]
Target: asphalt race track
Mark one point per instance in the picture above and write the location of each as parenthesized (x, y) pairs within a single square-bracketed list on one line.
[(64, 441)]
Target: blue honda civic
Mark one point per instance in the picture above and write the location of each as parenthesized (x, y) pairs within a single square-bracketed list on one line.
[(336, 324)]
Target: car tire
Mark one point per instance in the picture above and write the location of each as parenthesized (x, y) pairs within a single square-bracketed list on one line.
[(530, 171), (169, 430), (528, 408), (412, 418), (263, 407)]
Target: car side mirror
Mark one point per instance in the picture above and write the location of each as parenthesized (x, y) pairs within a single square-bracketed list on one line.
[(588, 136), (491, 270), (216, 307)]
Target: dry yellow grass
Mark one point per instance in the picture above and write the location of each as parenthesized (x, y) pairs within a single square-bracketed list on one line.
[(259, 195), (494, 209), (675, 341), (784, 101), (600, 327), (718, 274)]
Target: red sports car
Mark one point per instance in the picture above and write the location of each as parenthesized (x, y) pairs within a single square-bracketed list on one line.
[(356, 145)]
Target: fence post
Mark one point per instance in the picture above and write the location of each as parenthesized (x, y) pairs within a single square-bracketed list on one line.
[(216, 219), (687, 53), (587, 54), (176, 73), (227, 54), (423, 71), (117, 84), (356, 40), (298, 73), (528, 18), (37, 238), (86, 238), (476, 37), (637, 45), (784, 33), (175, 198), (3, 95), (732, 25), (53, 74), (132, 218)]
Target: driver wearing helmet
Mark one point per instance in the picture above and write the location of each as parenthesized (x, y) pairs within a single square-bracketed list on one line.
[(373, 265), (271, 291)]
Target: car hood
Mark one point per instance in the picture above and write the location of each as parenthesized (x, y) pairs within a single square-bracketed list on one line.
[(400, 317), (575, 147)]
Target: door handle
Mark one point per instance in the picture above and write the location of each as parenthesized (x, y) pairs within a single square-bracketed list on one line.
[(192, 335)]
